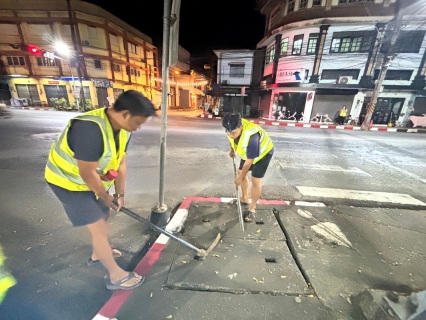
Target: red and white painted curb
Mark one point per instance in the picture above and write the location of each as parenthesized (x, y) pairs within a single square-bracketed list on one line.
[(31, 108), (113, 305), (324, 126)]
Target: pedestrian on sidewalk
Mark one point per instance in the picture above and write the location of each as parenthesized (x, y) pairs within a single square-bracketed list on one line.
[(342, 115), (256, 149), (80, 171)]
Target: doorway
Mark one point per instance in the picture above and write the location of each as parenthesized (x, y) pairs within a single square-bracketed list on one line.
[(55, 92), (29, 92), (102, 94), (387, 110)]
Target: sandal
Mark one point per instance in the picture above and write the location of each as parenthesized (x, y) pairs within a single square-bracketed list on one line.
[(115, 253), (248, 216), (234, 201), (119, 284)]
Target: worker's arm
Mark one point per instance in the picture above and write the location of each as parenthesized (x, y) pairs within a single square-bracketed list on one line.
[(243, 172), (120, 181), (93, 180), (232, 151)]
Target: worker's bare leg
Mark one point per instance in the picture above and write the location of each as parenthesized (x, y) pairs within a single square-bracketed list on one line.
[(244, 189), (256, 190), (102, 250)]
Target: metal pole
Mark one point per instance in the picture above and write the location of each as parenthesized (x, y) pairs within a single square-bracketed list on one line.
[(160, 215), (165, 94), (73, 83), (77, 56)]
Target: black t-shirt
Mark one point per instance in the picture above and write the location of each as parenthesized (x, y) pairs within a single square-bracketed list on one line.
[(85, 140)]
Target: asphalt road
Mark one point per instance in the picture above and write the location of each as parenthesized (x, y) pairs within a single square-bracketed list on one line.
[(47, 255)]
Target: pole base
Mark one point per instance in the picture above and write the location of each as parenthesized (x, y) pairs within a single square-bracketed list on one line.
[(160, 216)]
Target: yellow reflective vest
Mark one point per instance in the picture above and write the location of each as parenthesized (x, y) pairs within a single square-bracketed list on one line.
[(342, 113), (250, 129), (6, 279), (62, 168)]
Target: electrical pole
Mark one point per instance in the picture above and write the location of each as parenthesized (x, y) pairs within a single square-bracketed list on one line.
[(77, 56), (160, 215), (393, 28)]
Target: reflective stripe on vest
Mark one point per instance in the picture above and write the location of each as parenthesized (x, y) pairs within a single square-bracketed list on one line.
[(62, 168), (249, 129)]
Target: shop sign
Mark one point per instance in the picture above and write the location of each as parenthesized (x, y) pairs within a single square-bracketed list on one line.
[(103, 83), (288, 75), (53, 82)]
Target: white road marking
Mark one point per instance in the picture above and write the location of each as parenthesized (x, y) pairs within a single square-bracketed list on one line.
[(389, 197), (331, 233), (46, 135), (412, 175), (322, 167)]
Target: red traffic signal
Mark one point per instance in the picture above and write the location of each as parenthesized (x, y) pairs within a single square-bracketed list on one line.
[(31, 49)]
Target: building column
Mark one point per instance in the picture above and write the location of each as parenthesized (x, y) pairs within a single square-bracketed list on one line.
[(276, 56), (319, 52), (419, 80), (366, 79)]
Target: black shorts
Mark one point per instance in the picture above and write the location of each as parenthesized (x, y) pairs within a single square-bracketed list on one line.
[(82, 207), (258, 169)]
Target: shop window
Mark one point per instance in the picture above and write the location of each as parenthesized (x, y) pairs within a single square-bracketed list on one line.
[(270, 54), (284, 46), (312, 44), (98, 64), (93, 32), (394, 74), (316, 3), (16, 61), (335, 74), (409, 41), (344, 42), (236, 70), (297, 44), (45, 62), (133, 48), (290, 7)]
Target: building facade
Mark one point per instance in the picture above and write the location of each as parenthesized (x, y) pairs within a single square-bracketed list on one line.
[(187, 87), (236, 78), (321, 55), (113, 55)]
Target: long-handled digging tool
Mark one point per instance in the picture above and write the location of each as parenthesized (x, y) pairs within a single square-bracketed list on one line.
[(201, 254), (240, 212)]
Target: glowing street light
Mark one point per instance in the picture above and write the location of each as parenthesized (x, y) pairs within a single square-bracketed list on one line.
[(62, 48)]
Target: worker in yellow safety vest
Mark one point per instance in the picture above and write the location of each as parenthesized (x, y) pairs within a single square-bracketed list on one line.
[(6, 279), (342, 115), (85, 161), (255, 149)]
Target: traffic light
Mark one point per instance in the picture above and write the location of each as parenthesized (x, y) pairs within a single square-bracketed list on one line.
[(31, 49)]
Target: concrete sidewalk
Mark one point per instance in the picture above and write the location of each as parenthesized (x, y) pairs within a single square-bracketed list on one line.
[(331, 255)]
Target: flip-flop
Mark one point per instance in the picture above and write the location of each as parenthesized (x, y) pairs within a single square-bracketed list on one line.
[(242, 203), (115, 253), (119, 284), (248, 216)]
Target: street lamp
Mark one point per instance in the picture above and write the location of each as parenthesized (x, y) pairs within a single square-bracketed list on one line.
[(63, 49)]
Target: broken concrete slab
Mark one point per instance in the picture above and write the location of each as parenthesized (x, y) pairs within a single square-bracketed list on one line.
[(208, 221), (239, 266)]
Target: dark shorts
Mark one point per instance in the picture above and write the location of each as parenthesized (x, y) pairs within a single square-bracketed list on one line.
[(258, 169), (82, 207)]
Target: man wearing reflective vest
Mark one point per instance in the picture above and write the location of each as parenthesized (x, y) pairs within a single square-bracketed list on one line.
[(83, 165), (6, 279), (256, 149)]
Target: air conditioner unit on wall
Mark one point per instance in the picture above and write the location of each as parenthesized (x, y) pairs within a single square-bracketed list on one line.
[(344, 79), (85, 43)]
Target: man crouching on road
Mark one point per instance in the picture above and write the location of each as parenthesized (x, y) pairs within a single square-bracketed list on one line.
[(82, 166), (256, 149)]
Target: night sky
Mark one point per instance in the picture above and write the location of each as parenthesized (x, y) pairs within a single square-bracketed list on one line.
[(205, 24)]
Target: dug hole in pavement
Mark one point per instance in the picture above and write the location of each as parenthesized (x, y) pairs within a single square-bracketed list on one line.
[(332, 255)]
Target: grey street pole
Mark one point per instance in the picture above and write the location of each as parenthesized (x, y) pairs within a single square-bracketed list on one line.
[(160, 214), (77, 56)]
